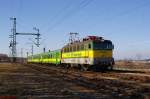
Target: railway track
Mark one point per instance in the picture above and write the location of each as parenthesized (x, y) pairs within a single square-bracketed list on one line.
[(117, 83), (116, 74)]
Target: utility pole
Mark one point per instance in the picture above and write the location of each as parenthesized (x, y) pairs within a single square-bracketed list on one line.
[(38, 36), (35, 34), (27, 54), (21, 55), (13, 40), (21, 52), (32, 50)]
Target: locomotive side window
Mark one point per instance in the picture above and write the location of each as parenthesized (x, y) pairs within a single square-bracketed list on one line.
[(78, 47), (67, 49), (82, 47), (74, 48), (89, 46), (86, 47)]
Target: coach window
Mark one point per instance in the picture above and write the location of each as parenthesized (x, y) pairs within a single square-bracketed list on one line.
[(52, 55), (71, 48), (44, 56), (66, 49)]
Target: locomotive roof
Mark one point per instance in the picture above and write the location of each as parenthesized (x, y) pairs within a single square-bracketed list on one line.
[(86, 41)]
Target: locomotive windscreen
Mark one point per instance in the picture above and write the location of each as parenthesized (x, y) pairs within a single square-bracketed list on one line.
[(103, 45)]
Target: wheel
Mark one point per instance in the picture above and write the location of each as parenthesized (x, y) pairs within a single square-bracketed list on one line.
[(111, 67), (68, 66), (84, 68)]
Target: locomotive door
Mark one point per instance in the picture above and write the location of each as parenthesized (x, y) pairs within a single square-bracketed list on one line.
[(86, 53)]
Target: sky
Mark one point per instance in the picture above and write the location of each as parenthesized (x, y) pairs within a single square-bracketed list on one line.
[(125, 22)]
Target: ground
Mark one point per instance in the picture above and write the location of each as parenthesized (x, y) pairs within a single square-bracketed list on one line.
[(32, 81)]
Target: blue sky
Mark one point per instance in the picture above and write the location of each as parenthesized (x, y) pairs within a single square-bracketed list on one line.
[(125, 22)]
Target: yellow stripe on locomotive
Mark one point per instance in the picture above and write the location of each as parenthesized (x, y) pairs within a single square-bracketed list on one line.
[(88, 54)]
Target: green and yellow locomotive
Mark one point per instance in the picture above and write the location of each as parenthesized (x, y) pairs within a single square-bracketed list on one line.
[(91, 52)]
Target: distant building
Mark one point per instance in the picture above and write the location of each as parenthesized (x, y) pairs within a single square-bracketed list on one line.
[(4, 58)]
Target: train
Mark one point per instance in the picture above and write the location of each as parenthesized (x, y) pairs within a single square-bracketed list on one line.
[(92, 52)]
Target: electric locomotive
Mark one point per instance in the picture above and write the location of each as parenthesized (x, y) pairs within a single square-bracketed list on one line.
[(92, 52)]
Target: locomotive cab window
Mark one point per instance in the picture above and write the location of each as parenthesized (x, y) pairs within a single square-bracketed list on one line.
[(103, 45)]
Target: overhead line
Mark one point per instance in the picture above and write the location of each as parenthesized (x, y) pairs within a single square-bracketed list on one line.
[(129, 11), (82, 4), (57, 14)]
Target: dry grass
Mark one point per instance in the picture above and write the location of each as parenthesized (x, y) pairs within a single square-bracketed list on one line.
[(36, 83), (132, 64)]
